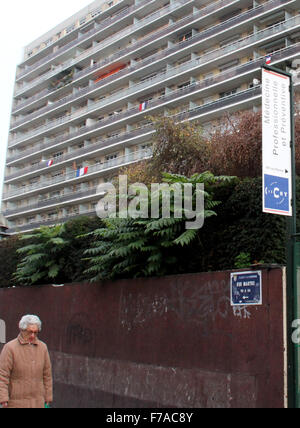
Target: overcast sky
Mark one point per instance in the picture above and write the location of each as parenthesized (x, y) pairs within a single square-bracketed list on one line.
[(23, 22)]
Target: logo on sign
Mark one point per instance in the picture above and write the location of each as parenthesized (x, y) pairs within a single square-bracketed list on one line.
[(276, 193)]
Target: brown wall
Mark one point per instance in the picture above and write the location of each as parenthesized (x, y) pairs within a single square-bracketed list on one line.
[(163, 342)]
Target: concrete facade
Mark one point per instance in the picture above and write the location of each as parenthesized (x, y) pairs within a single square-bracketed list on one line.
[(84, 91)]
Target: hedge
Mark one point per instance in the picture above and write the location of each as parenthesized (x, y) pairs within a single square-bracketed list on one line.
[(239, 228)]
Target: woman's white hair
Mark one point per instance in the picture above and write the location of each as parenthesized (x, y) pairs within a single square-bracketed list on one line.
[(30, 320)]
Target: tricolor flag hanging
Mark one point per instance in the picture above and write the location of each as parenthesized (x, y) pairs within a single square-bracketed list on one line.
[(143, 105), (268, 59), (50, 162), (82, 171)]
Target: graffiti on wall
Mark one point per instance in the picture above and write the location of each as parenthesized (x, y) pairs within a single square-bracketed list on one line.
[(187, 301), (79, 333)]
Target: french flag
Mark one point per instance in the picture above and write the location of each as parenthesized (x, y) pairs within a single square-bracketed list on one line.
[(268, 59), (50, 162), (82, 171), (143, 106)]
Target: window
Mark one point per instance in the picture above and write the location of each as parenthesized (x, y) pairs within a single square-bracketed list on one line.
[(57, 155), (228, 93), (112, 135), (230, 40), (57, 174), (184, 60), (30, 220), (275, 48), (70, 28), (55, 194), (95, 12), (150, 76), (185, 36), (230, 15), (183, 85), (111, 157), (34, 180), (229, 64), (52, 215)]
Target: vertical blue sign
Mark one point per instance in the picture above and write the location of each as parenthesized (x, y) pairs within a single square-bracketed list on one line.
[(276, 194)]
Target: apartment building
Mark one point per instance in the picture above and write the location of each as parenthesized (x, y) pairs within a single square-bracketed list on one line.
[(84, 90)]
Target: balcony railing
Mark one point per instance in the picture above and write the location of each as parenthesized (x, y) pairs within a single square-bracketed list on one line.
[(59, 219), (211, 32), (98, 144), (190, 66), (52, 202), (71, 176)]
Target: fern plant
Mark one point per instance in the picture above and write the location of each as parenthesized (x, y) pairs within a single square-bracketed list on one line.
[(43, 258), (139, 247)]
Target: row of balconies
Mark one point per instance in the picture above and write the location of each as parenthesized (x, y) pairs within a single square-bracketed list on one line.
[(103, 142), (66, 197), (77, 96), (235, 100), (163, 78), (57, 218), (195, 88), (107, 43), (70, 177), (119, 55), (83, 37), (134, 46), (124, 54), (219, 105), (71, 31)]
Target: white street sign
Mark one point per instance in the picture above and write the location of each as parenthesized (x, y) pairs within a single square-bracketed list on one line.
[(276, 146)]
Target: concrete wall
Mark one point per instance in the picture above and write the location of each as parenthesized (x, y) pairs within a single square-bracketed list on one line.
[(163, 342)]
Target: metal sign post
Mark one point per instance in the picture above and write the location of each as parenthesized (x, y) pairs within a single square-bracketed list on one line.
[(279, 192)]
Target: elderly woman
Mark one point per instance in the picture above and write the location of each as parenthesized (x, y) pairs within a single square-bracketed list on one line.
[(25, 368)]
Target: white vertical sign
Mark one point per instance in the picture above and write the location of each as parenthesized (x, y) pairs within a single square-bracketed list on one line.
[(276, 143)]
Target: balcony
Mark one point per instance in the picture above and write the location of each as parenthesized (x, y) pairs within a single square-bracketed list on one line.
[(99, 144)]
